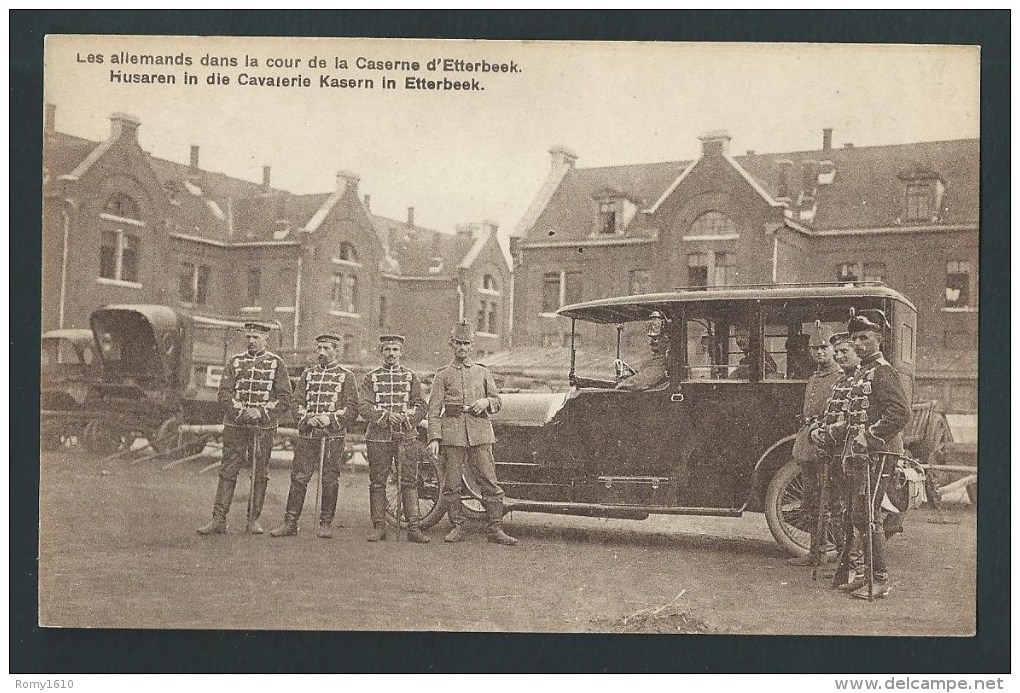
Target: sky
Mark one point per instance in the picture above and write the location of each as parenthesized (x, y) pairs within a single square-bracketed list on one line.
[(468, 156)]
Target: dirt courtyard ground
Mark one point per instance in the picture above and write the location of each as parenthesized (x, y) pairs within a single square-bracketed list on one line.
[(118, 549)]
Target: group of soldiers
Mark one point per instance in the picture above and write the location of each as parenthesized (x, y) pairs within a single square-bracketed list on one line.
[(855, 410), (255, 392)]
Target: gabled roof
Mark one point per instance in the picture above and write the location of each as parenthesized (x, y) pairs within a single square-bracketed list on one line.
[(414, 247), (866, 190)]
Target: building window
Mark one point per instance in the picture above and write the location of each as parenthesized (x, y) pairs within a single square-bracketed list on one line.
[(343, 293), (560, 289), (480, 322), (435, 265), (254, 286), (118, 256), (120, 205), (697, 269), (492, 319), (347, 347), (713, 224), (958, 284), (489, 284), (848, 273), (382, 311), (638, 283), (346, 253), (919, 202), (193, 283), (608, 216), (725, 269), (874, 271)]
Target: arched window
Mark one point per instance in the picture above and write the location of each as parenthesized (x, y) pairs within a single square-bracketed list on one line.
[(713, 224), (489, 284), (347, 253), (120, 205)]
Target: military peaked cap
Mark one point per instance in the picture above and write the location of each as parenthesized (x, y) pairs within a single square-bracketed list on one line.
[(655, 324), (839, 338), (391, 339), (329, 337), (259, 327)]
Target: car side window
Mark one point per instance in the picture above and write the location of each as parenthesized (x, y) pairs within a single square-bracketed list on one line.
[(787, 333), (718, 342)]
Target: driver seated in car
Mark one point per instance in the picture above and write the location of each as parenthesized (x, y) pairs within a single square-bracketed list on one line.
[(650, 373)]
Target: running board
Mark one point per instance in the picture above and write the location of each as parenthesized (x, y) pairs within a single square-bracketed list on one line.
[(622, 512)]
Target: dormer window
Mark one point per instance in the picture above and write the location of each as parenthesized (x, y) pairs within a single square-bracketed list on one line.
[(347, 253), (435, 265), (173, 192), (609, 216), (923, 190), (919, 202)]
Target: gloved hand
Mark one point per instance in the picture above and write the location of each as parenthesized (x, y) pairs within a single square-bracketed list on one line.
[(398, 421), (434, 448), (817, 437), (251, 415), (319, 421), (623, 370), (480, 406)]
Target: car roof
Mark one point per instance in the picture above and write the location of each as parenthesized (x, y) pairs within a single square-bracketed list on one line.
[(640, 307)]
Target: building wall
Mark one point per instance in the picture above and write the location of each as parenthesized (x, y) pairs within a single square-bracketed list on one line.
[(424, 311)]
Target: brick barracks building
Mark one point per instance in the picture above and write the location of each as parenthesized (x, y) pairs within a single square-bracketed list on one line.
[(903, 214), (121, 226)]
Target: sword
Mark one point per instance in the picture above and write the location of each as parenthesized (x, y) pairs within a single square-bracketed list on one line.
[(318, 484), (843, 564), (400, 494), (822, 525), (254, 460)]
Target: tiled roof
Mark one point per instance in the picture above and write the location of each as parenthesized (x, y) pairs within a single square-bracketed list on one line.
[(62, 153), (413, 247), (865, 192), (275, 217)]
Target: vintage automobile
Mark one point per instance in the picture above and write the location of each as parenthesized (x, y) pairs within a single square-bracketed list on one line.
[(160, 368), (715, 437), (68, 368)]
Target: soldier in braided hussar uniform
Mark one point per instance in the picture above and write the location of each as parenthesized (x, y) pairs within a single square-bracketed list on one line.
[(392, 404), (830, 435), (327, 402), (463, 395), (254, 393), (876, 416)]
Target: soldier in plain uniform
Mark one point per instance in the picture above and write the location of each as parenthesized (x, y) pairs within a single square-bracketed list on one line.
[(254, 393), (463, 396), (327, 402), (812, 459), (876, 416), (392, 403)]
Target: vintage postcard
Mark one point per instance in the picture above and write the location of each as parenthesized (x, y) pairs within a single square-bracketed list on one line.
[(449, 335)]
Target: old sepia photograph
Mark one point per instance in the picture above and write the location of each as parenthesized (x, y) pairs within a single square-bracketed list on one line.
[(509, 336)]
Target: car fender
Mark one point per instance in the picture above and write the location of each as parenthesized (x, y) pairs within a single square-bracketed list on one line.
[(770, 461)]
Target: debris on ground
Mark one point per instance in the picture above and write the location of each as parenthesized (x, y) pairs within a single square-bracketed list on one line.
[(668, 618)]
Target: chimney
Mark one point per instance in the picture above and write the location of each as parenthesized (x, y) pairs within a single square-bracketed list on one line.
[(368, 203), (194, 156), (809, 177), (783, 184), (266, 173), (347, 181), (750, 152), (464, 229), (410, 216), (562, 156), (490, 226), (715, 143), (50, 119), (848, 145), (826, 139), (124, 125)]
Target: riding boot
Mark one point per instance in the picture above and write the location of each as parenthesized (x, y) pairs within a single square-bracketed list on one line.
[(377, 510), (221, 506), (257, 501), (409, 499), (494, 510), (328, 510), (295, 501), (455, 511)]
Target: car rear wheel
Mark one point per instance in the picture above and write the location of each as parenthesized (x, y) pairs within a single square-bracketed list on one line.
[(165, 438), (429, 509), (103, 439), (788, 520)]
